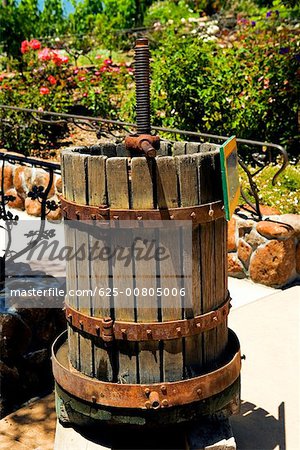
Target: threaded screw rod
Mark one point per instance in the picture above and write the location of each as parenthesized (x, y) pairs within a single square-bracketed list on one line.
[(142, 86)]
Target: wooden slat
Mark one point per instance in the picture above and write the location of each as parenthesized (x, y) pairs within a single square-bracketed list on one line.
[(179, 148), (99, 269), (208, 191), (67, 178), (145, 271), (188, 184), (192, 147), (80, 187), (167, 196), (119, 197)]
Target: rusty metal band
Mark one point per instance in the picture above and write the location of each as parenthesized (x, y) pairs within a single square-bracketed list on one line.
[(108, 330), (145, 396), (198, 214)]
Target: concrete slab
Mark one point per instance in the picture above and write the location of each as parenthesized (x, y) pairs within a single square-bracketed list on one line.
[(245, 291), (269, 333), (31, 427)]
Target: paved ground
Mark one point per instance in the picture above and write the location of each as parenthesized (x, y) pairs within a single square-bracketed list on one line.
[(267, 324)]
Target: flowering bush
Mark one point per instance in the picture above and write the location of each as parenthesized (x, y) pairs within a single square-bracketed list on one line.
[(49, 81)]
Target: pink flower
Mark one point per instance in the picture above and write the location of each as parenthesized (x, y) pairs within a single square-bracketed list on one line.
[(107, 62), (25, 47), (103, 69), (98, 57), (44, 91), (81, 78), (34, 44), (84, 94), (52, 79), (45, 54)]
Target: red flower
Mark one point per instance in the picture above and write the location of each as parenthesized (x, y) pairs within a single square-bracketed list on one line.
[(25, 47), (59, 59), (52, 79), (44, 91), (45, 54), (107, 62), (34, 44)]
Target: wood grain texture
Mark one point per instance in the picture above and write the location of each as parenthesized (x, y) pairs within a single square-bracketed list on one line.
[(145, 271), (124, 306), (167, 197), (188, 185)]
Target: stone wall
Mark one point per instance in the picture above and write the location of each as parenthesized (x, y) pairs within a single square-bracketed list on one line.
[(266, 251), (19, 181)]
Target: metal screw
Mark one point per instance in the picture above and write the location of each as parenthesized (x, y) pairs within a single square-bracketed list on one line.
[(142, 86), (165, 402), (199, 392), (163, 389), (147, 391)]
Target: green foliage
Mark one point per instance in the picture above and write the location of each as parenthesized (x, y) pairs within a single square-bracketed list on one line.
[(168, 11), (285, 194), (249, 88)]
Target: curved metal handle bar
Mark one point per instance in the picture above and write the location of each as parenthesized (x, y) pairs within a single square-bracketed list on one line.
[(195, 134)]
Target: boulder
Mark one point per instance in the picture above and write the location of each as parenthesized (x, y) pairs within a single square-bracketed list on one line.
[(41, 178), (235, 267), (273, 264), (298, 258), (58, 185), (244, 252), (15, 335), (8, 177), (22, 180), (33, 207), (290, 219), (18, 202), (274, 230), (254, 238), (231, 244), (54, 215)]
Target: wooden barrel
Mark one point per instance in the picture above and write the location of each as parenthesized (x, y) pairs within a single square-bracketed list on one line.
[(146, 362)]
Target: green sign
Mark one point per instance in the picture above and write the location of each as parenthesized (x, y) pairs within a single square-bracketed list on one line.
[(230, 176)]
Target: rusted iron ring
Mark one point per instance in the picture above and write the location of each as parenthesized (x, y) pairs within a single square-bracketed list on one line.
[(197, 214), (109, 330), (146, 396)]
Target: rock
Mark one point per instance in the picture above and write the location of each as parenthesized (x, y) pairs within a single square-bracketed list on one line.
[(38, 357), (273, 264), (244, 252), (273, 230), (264, 209), (54, 215), (254, 238), (290, 219), (235, 267), (244, 225), (298, 258), (22, 180), (15, 335), (33, 207), (231, 245), (8, 177), (41, 178), (58, 185), (18, 203)]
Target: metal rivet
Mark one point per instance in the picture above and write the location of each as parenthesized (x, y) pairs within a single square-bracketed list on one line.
[(116, 217), (94, 399), (172, 217), (211, 212), (124, 334), (199, 391), (148, 404), (193, 214), (215, 318), (165, 402), (147, 391), (97, 330), (81, 324), (93, 216), (178, 330), (139, 217), (198, 325), (149, 333), (70, 317), (163, 389)]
